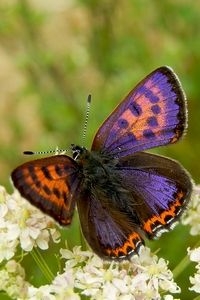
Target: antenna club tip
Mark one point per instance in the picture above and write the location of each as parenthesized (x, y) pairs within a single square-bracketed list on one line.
[(28, 152), (89, 98)]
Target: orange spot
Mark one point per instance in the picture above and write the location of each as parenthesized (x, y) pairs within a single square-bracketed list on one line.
[(176, 137), (133, 241), (149, 224)]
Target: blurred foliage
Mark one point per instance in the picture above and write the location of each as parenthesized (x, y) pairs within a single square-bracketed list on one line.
[(54, 53)]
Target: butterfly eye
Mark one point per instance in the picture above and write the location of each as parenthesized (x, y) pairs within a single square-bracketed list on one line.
[(77, 151), (76, 154)]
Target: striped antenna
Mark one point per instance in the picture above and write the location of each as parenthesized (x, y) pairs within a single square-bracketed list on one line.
[(28, 152), (86, 117)]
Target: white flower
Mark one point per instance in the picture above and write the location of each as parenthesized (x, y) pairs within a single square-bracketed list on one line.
[(41, 293), (7, 247), (75, 256), (157, 273), (195, 281), (63, 286), (194, 254), (170, 297), (192, 215)]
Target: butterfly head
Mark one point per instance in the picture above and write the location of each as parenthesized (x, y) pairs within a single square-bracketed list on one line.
[(77, 151)]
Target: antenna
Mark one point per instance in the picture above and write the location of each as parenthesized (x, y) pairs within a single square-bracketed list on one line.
[(86, 117), (28, 152)]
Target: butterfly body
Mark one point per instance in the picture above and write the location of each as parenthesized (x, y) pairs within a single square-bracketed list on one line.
[(106, 206), (123, 194)]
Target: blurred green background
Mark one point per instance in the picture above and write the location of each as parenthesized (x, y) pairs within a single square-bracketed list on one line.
[(54, 53)]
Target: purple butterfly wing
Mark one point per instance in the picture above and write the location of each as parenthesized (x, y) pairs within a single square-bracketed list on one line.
[(108, 230), (152, 114), (160, 189)]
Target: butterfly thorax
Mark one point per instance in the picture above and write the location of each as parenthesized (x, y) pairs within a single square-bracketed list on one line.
[(97, 168)]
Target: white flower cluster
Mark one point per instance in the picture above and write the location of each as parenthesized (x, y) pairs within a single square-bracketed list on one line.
[(143, 277), (21, 223), (85, 274), (12, 280), (192, 218)]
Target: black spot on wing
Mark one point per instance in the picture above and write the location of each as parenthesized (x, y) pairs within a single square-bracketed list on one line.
[(155, 109), (46, 173), (148, 133), (136, 109), (152, 121), (122, 123)]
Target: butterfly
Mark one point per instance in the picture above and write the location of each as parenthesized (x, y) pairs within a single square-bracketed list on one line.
[(122, 193)]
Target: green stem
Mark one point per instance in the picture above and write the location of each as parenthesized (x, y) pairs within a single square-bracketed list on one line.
[(181, 266), (82, 240), (42, 265), (183, 263)]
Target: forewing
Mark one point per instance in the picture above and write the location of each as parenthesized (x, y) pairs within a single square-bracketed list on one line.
[(160, 189), (108, 231), (152, 114), (49, 184)]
